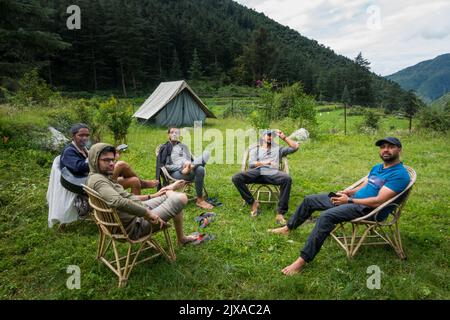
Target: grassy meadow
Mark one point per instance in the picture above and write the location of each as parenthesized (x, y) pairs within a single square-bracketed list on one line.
[(244, 261)]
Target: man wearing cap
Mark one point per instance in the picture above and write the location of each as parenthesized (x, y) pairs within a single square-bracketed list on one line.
[(264, 160), (385, 181)]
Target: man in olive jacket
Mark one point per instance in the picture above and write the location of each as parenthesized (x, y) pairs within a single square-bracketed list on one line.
[(137, 213)]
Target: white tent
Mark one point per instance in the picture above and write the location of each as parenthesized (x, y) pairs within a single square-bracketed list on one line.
[(173, 104)]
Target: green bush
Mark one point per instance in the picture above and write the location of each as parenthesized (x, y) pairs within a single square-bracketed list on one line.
[(435, 119), (371, 120), (62, 119), (116, 117), (356, 111), (17, 133), (33, 91)]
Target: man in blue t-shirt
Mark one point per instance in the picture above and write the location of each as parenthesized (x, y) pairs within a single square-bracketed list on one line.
[(385, 181)]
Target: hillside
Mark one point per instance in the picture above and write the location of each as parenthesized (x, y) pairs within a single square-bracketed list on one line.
[(442, 101), (132, 45), (430, 79)]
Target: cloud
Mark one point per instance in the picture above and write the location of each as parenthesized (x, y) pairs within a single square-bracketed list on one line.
[(392, 35)]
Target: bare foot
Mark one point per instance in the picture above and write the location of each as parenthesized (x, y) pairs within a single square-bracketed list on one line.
[(279, 218), (149, 183), (255, 209), (281, 230), (186, 239), (294, 268), (204, 205)]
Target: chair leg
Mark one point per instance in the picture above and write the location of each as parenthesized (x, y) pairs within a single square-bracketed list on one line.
[(122, 279), (101, 244), (172, 257), (341, 240), (398, 242), (361, 239)]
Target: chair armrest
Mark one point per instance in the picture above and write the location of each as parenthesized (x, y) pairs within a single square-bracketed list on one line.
[(357, 183), (374, 213), (167, 174)]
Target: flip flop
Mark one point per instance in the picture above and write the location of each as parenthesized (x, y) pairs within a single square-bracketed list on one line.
[(214, 201), (205, 215), (205, 219), (202, 238)]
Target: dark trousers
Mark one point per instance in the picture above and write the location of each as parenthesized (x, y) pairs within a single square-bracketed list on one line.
[(277, 178), (326, 222), (198, 175)]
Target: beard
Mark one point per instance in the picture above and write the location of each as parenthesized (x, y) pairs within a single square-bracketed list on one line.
[(389, 158)]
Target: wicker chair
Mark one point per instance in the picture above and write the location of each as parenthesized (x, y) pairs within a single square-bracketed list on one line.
[(379, 227), (271, 192), (188, 187), (112, 233)]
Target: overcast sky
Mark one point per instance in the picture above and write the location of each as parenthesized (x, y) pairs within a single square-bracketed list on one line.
[(392, 35)]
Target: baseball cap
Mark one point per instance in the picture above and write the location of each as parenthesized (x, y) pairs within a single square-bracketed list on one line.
[(391, 140)]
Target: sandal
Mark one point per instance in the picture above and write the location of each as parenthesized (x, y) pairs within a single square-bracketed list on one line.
[(214, 201), (202, 238), (205, 219)]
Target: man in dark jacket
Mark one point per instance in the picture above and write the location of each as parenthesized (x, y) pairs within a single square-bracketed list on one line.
[(74, 158), (179, 162)]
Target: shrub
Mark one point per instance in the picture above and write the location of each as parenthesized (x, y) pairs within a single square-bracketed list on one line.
[(33, 91), (435, 119), (117, 117), (62, 119), (371, 120)]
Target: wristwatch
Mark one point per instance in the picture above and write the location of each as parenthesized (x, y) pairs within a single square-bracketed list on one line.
[(350, 200)]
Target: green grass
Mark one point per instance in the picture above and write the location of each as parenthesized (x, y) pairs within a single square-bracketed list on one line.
[(244, 261)]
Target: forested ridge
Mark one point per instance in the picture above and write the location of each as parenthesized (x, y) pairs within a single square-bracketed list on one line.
[(131, 45)]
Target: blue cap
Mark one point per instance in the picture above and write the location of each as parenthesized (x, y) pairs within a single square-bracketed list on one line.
[(391, 140)]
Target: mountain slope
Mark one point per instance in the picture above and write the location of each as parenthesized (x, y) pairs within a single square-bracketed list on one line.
[(430, 79), (442, 102), (133, 45)]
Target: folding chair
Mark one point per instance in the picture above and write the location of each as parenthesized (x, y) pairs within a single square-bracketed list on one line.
[(379, 227), (112, 232), (189, 186), (271, 192)]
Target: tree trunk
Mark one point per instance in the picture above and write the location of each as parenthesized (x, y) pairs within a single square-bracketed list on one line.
[(410, 124), (159, 63), (134, 82), (124, 89), (95, 76), (50, 73)]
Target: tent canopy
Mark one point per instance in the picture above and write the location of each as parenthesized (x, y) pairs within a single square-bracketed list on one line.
[(173, 103)]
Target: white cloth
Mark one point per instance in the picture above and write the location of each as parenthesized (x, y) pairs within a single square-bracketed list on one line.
[(300, 135), (60, 200)]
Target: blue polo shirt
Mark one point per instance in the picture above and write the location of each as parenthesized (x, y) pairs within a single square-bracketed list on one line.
[(395, 178)]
